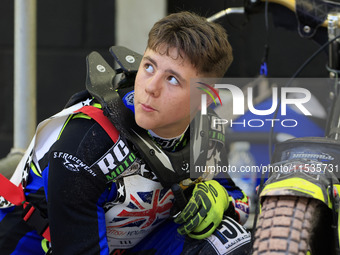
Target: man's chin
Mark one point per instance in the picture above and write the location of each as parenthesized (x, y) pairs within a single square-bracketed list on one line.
[(142, 123)]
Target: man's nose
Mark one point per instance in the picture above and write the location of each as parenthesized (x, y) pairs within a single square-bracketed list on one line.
[(154, 85)]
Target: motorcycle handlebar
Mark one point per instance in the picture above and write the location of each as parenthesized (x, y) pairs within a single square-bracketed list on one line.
[(290, 4)]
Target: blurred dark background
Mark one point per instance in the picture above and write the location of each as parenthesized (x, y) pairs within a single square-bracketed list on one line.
[(69, 30)]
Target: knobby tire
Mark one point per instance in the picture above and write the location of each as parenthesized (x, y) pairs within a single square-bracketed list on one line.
[(293, 225)]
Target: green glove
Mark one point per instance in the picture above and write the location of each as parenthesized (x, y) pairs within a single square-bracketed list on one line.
[(204, 211)]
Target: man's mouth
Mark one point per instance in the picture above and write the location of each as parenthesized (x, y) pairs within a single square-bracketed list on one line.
[(147, 108)]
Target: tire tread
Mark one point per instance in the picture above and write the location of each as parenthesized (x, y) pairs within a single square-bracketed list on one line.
[(284, 226)]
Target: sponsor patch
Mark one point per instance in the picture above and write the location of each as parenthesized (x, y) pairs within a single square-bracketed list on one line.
[(116, 160), (229, 237), (73, 163)]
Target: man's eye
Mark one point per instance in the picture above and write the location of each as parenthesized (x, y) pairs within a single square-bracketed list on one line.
[(173, 80), (149, 68)]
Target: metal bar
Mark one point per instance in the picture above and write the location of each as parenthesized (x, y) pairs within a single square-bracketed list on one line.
[(24, 72), (220, 14)]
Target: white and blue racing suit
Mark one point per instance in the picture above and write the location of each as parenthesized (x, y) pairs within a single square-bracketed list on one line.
[(101, 198)]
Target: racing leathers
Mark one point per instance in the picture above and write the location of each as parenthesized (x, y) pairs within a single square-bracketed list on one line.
[(100, 197)]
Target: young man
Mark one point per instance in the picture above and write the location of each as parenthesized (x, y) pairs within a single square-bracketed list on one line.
[(100, 195)]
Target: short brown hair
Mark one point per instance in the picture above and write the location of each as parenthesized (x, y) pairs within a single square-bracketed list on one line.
[(204, 43)]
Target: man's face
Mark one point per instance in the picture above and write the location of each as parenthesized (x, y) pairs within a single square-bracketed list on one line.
[(162, 93)]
